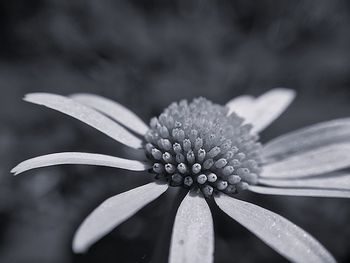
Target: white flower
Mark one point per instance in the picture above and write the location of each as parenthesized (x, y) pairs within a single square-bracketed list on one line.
[(213, 151)]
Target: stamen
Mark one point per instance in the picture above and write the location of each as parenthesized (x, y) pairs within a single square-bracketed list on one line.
[(182, 168), (167, 157), (202, 178), (188, 181), (220, 163), (212, 177), (177, 179), (221, 185), (196, 168), (169, 168)]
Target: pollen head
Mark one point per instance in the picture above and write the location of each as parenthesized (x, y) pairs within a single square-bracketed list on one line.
[(198, 146)]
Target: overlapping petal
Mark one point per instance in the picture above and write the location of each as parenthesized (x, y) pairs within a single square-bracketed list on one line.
[(193, 235), (113, 212), (300, 192), (279, 233), (319, 161), (262, 111), (241, 105), (336, 180), (79, 158), (86, 115), (308, 138), (114, 110)]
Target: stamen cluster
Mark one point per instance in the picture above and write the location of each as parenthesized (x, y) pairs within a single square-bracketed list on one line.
[(196, 145)]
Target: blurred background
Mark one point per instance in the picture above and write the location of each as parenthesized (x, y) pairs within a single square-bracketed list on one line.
[(146, 54)]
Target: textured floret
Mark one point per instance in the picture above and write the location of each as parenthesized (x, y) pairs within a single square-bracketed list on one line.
[(197, 145)]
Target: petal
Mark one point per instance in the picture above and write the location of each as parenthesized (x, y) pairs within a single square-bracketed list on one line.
[(279, 233), (262, 111), (114, 110), (300, 192), (269, 107), (87, 115), (193, 235), (241, 105), (308, 138), (79, 158), (113, 212), (319, 161), (339, 180)]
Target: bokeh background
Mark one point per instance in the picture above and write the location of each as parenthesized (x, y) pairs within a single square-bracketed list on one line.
[(146, 54)]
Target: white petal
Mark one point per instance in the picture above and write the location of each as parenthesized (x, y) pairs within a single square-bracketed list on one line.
[(193, 235), (114, 110), (339, 180), (262, 111), (279, 233), (87, 115), (307, 138), (269, 107), (241, 105), (300, 192), (113, 212), (79, 158), (319, 161)]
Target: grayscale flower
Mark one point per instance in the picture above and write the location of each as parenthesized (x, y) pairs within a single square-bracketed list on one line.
[(212, 151)]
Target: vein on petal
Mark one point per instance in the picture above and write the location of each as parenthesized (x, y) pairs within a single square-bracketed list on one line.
[(335, 180), (308, 138), (279, 233), (310, 192), (79, 158), (113, 212), (318, 161), (114, 110), (193, 235), (86, 115)]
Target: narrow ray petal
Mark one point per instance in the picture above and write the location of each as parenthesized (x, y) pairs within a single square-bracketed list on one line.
[(337, 180), (279, 233), (114, 110), (87, 115), (241, 105), (79, 158), (193, 235), (308, 138), (269, 107), (300, 192), (319, 161), (113, 212)]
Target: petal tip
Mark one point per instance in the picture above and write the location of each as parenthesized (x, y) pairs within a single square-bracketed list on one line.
[(78, 247), (33, 97), (14, 171)]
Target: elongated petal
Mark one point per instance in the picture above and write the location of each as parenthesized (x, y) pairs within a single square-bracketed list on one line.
[(339, 180), (79, 158), (87, 115), (308, 138), (279, 233), (300, 192), (114, 110), (241, 105), (269, 107), (193, 235), (319, 161), (113, 212)]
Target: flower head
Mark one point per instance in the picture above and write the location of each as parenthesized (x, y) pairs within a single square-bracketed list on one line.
[(199, 146), (213, 151)]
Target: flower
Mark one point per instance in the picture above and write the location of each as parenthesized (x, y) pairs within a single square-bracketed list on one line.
[(212, 151)]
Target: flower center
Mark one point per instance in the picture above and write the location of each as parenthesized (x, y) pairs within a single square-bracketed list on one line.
[(196, 145)]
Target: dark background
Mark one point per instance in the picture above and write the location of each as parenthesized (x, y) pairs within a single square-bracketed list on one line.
[(146, 54)]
